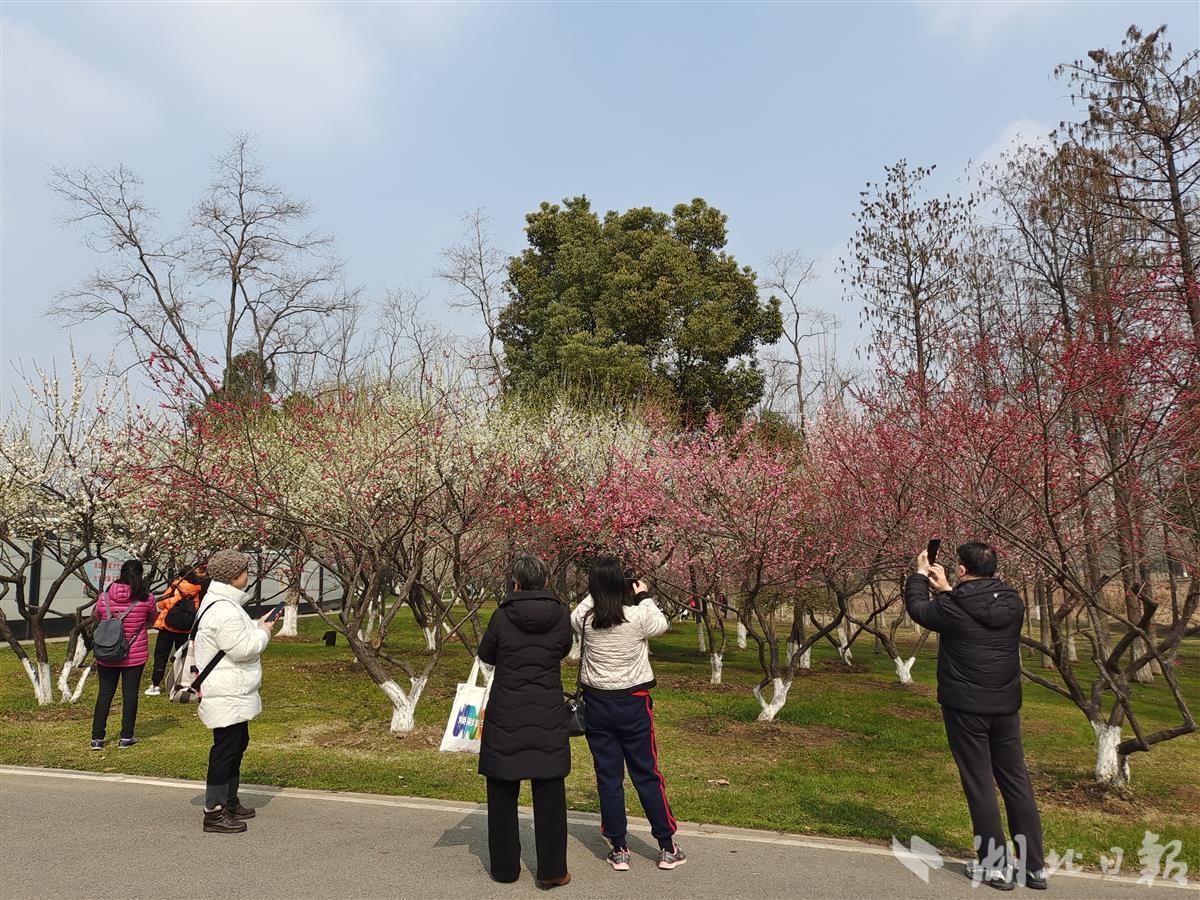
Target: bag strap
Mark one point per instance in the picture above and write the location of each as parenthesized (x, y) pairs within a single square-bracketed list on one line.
[(582, 650), (212, 663), (128, 610), (196, 624)]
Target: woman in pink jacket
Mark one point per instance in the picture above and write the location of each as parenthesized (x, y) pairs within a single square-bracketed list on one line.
[(127, 591)]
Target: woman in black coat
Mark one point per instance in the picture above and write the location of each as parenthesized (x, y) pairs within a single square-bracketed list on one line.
[(525, 724)]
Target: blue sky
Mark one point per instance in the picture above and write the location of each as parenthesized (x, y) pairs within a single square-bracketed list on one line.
[(392, 119)]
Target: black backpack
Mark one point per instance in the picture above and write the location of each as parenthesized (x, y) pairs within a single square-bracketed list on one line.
[(109, 643), (182, 615)]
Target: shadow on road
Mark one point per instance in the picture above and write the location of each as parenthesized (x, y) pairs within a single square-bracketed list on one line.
[(471, 832)]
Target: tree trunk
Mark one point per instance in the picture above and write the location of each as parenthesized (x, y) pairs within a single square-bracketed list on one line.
[(39, 677), (1042, 604), (904, 669), (576, 646), (291, 618), (430, 638), (75, 658), (1111, 767), (701, 636), (404, 705), (741, 635), (718, 662), (843, 644), (778, 698)]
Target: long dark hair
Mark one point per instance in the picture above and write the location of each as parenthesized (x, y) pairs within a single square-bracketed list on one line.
[(609, 590), (131, 575)]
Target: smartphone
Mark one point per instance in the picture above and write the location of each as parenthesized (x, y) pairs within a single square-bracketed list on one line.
[(931, 551), (274, 613)]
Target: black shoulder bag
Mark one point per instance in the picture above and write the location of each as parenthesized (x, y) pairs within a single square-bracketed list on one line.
[(576, 707)]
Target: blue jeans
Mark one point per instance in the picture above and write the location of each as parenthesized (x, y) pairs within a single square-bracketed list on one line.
[(620, 733)]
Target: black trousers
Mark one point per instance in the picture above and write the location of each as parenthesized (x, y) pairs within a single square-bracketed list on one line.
[(131, 682), (549, 828), (164, 648), (225, 764), (988, 752)]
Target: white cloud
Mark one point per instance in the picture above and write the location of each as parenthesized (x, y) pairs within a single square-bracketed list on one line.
[(979, 23), (297, 71), (55, 99), (1016, 134)]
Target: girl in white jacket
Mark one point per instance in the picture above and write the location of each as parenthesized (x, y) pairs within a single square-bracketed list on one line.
[(615, 623), (229, 695)]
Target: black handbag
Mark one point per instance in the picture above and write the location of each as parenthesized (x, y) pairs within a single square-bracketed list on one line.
[(576, 705)]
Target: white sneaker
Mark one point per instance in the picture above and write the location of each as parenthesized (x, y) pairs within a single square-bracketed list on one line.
[(153, 691)]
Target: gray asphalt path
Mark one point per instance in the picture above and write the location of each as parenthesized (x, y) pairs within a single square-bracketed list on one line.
[(74, 834)]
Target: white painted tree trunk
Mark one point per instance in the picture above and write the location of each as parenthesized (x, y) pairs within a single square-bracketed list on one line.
[(43, 683), (1111, 767), (404, 705), (291, 618), (64, 677), (741, 636), (718, 663), (701, 637), (573, 656), (843, 645), (1072, 655), (805, 659), (430, 638), (364, 634), (904, 669), (779, 693)]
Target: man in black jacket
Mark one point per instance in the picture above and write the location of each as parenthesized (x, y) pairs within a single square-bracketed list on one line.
[(979, 687)]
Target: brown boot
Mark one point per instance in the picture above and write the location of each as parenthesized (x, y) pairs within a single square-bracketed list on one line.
[(235, 808), (561, 881), (219, 821)]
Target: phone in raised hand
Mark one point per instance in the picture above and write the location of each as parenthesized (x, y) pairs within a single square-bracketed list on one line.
[(931, 552), (274, 612)]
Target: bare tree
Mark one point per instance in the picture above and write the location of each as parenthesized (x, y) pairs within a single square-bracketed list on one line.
[(478, 269), (808, 334), (243, 277), (903, 267), (1144, 122)]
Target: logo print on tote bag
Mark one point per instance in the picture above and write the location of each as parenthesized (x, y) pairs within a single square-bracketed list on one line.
[(468, 722)]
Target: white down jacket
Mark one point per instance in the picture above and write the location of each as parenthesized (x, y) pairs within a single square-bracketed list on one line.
[(230, 692), (617, 659)]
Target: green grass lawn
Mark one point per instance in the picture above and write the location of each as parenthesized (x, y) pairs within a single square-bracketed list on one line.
[(852, 754)]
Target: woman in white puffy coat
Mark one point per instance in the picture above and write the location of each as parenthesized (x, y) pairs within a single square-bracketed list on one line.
[(229, 696), (615, 622)]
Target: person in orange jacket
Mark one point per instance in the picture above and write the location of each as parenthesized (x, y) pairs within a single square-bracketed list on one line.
[(175, 627)]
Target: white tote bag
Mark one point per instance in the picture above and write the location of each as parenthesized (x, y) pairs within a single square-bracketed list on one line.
[(464, 730)]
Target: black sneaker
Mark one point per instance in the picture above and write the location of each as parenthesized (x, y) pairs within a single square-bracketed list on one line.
[(1037, 879), (127, 742), (97, 744), (1000, 879)]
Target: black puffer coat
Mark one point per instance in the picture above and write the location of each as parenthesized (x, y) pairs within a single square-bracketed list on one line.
[(979, 628), (525, 726)]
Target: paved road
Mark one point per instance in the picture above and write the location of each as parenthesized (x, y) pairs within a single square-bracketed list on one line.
[(74, 834)]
